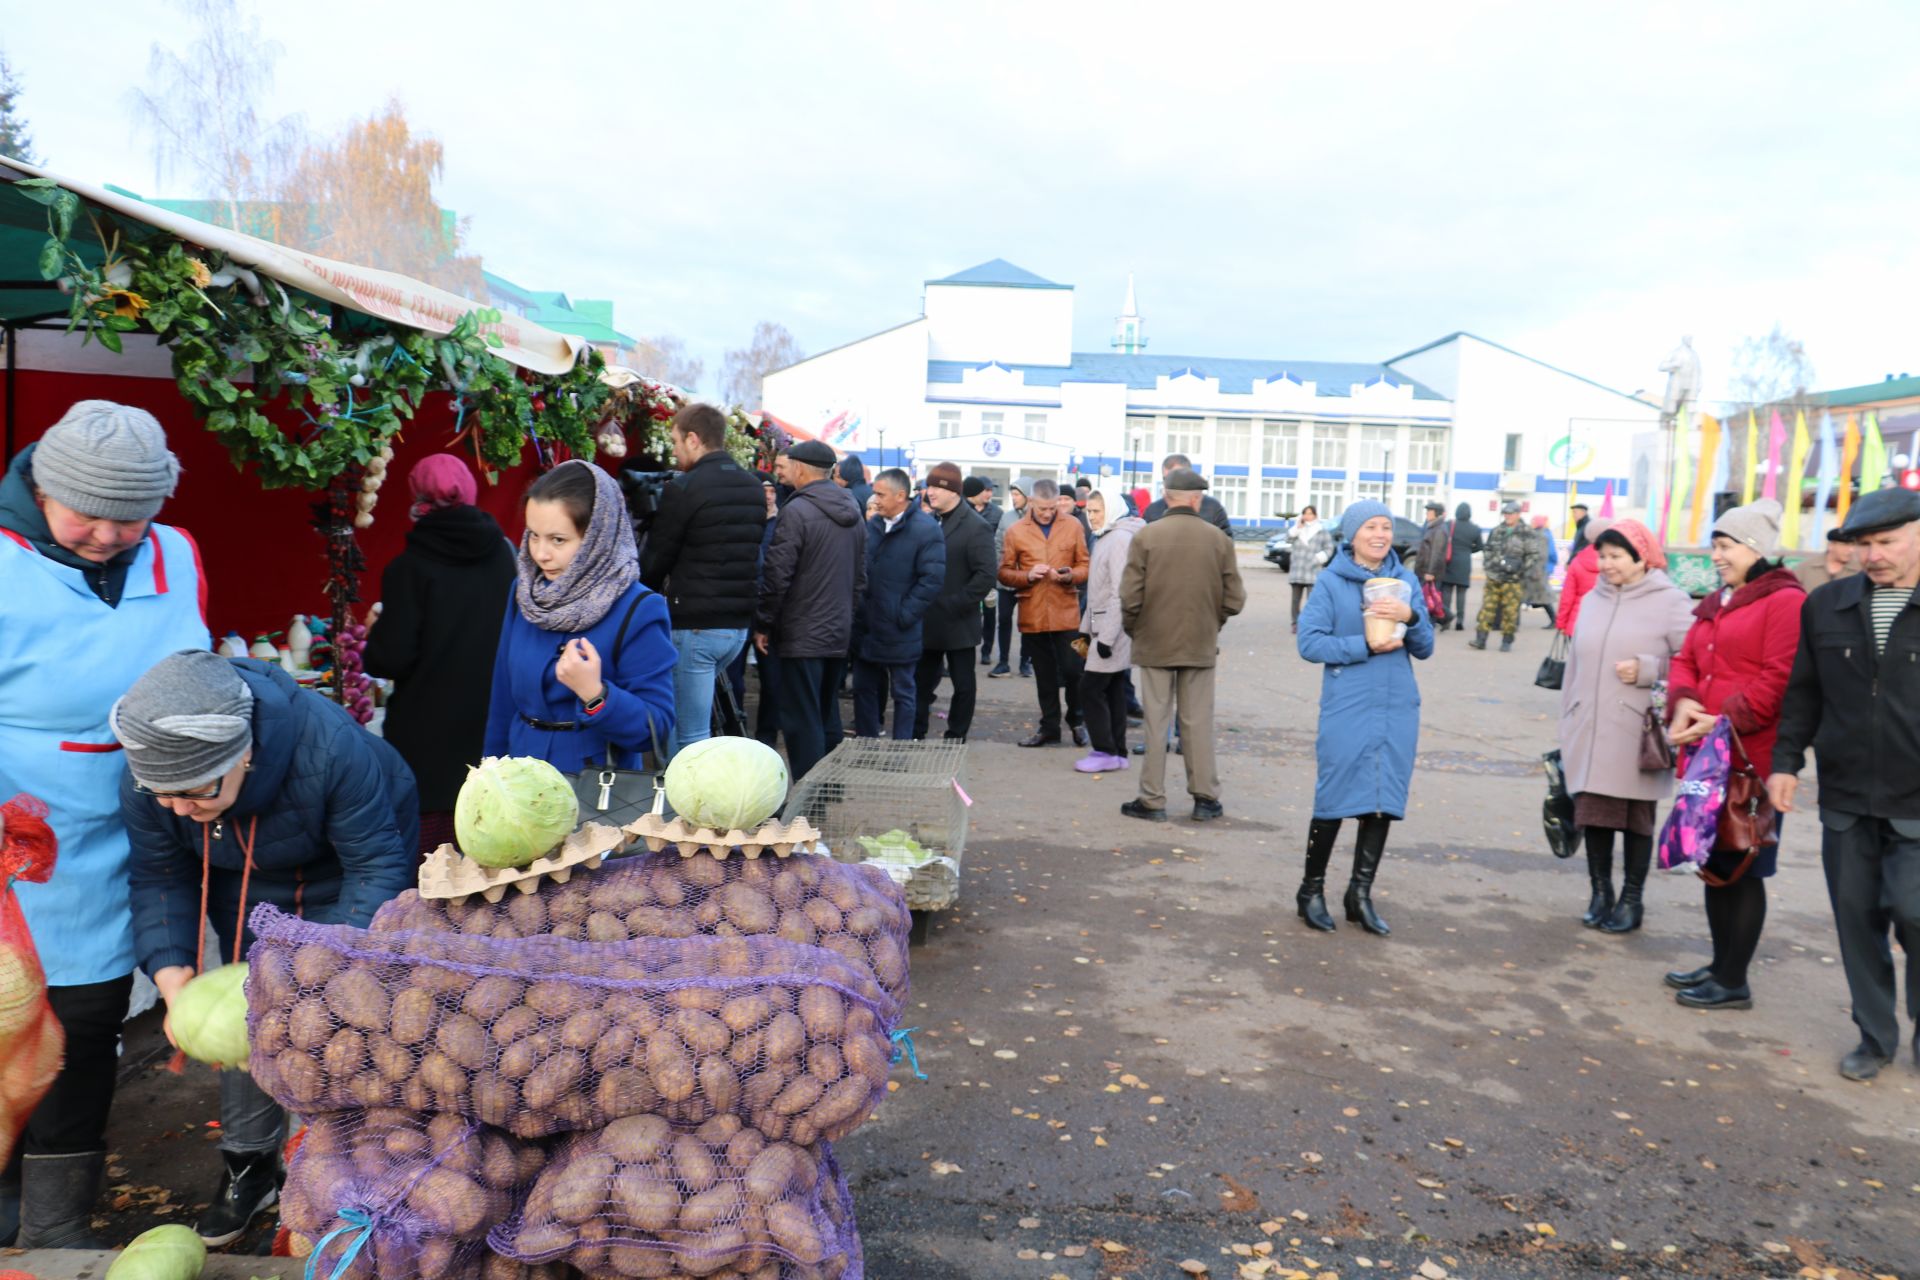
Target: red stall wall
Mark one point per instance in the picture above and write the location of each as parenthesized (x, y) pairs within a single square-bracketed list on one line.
[(264, 561)]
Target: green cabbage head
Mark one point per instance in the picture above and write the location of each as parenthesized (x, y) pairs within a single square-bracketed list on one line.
[(172, 1252), (513, 809), (727, 783), (209, 1017)]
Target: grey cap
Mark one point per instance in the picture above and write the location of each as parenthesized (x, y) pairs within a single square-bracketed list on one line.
[(1434, 504), (1510, 508), (1878, 511), (185, 722), (106, 460), (1183, 479), (1755, 526)]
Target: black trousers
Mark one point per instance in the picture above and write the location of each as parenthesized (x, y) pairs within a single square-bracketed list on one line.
[(1056, 671), (72, 1118), (1103, 696), (766, 724), (1301, 590), (1454, 594), (810, 710), (1873, 879), (989, 624), (959, 666), (1007, 602)]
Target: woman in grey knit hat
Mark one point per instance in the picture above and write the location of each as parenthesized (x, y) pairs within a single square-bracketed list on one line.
[(242, 788), (95, 593)]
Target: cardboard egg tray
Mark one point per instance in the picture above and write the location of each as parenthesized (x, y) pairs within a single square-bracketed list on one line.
[(448, 873), (777, 838)]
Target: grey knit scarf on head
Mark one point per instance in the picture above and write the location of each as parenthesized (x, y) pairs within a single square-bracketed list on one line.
[(602, 570), (186, 722)]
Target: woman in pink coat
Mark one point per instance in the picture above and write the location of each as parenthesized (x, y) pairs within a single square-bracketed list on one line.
[(1632, 624)]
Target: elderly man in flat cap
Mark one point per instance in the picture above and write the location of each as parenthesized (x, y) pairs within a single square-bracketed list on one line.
[(1854, 697)]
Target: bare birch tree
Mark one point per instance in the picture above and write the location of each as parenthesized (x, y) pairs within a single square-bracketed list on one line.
[(743, 369), (666, 359)]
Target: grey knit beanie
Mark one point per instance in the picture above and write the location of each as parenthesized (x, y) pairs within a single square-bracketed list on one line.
[(186, 722), (106, 460), (1756, 525)]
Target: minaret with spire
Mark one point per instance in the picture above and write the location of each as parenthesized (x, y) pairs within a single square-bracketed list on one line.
[(1129, 330)]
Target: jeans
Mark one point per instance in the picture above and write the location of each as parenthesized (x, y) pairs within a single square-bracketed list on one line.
[(1103, 696), (872, 683), (810, 710), (251, 1123), (959, 665), (704, 654), (72, 1118), (1056, 671)]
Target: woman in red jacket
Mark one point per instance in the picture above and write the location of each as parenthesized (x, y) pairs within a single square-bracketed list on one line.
[(1735, 664), (1582, 572)]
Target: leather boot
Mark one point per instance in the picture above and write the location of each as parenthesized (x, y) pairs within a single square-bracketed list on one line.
[(56, 1200), (1367, 851), (1506, 644), (1312, 898), (1479, 640), (1600, 876), (249, 1184), (1628, 912)]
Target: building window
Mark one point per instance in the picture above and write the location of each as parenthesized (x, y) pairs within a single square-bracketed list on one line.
[(1371, 491), (1279, 444), (1232, 493), (1513, 451), (1276, 498), (949, 423), (1413, 504), (1329, 445), (1328, 498), (991, 420), (1139, 437), (1233, 441), (1186, 435), (1036, 426), (1376, 448), (1426, 449)]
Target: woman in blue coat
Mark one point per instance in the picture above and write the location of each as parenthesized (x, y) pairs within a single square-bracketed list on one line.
[(1369, 710), (242, 788), (585, 666)]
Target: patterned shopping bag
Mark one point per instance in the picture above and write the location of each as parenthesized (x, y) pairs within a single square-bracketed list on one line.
[(1690, 830)]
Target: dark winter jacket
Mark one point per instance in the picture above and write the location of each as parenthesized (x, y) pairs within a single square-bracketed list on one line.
[(438, 631), (954, 620), (1467, 539), (20, 513), (1857, 708), (854, 472), (331, 811), (637, 657), (906, 570), (1510, 553), (1580, 542), (700, 551), (1210, 510), (815, 569), (1737, 658)]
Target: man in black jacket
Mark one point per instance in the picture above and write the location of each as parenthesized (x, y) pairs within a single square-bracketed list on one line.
[(700, 555), (1854, 697), (1210, 509), (952, 627), (815, 569)]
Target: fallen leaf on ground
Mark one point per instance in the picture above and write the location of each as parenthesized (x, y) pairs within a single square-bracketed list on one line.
[(941, 1168), (1194, 1267), (1433, 1270)]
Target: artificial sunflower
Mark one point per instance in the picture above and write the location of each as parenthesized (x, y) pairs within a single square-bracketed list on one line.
[(198, 273), (125, 302)]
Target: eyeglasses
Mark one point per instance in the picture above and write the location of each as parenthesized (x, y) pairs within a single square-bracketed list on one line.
[(212, 791)]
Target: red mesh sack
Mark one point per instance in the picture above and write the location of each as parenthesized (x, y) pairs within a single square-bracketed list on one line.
[(854, 911), (540, 1035), (402, 1196), (31, 1038), (643, 1199)]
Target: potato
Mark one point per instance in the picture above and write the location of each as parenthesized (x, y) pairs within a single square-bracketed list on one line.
[(624, 1091), (302, 1082), (573, 1111), (709, 1208), (865, 921), (310, 1026), (498, 1166), (580, 1187), (701, 1032), (567, 901), (706, 873), (438, 980), (435, 1259), (824, 916), (415, 1096), (451, 1202), (793, 1229), (614, 1049), (823, 1013), (712, 1252), (744, 1148), (270, 1032), (412, 1016), (618, 893), (494, 1099), (889, 961), (356, 998), (604, 926), (703, 999), (636, 1139), (270, 978), (442, 1074), (719, 1084), (795, 927), (658, 922), (345, 1055), (868, 1059), (670, 1066), (638, 1262), (464, 1040), (746, 1050), (513, 1024), (772, 1172), (313, 964), (492, 996), (716, 1131), (708, 915), (584, 1029), (694, 1167), (801, 1131), (825, 1064), (554, 998), (555, 1077), (787, 1034), (843, 890), (521, 1058), (528, 914), (758, 1093), (369, 1089), (799, 1094)]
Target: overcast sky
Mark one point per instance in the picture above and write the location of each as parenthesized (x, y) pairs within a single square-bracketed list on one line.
[(1585, 182)]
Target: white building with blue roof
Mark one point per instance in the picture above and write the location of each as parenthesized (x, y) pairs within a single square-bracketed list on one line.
[(986, 377)]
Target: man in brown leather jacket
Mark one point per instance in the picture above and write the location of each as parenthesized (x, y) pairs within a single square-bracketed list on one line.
[(1043, 563)]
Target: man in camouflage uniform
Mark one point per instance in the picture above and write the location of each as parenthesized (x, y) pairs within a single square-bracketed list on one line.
[(1512, 552)]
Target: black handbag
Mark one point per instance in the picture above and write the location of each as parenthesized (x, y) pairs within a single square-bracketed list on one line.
[(1553, 667), (1556, 812)]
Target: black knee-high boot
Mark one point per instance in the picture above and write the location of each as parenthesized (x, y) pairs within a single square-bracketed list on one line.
[(1599, 875), (1627, 913), (1367, 851), (1312, 898)]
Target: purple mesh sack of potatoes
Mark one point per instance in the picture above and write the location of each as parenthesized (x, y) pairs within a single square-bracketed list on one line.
[(643, 1199), (854, 911), (400, 1196), (540, 1035)]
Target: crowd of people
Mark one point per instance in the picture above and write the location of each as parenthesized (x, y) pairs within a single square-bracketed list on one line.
[(188, 787)]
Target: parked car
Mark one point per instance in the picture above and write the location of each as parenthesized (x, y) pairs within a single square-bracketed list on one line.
[(1406, 538), (1279, 554)]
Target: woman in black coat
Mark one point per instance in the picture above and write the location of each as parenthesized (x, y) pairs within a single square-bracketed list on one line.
[(436, 635), (1457, 576)]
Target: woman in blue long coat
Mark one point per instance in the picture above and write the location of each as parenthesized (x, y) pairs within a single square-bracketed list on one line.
[(1369, 710)]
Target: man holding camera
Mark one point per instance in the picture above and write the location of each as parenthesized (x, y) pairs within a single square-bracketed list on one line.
[(1044, 563)]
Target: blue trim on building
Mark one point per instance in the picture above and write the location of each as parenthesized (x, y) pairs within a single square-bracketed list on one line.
[(1231, 470), (1375, 477), (1423, 477), (1476, 480), (1589, 486), (1142, 466), (1280, 473), (1329, 473)]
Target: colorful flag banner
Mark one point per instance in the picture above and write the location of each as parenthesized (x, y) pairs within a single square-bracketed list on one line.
[(1573, 499), (1829, 470), (1796, 481), (1873, 456), (1606, 503), (1752, 457), (1849, 454), (1776, 437), (1708, 478)]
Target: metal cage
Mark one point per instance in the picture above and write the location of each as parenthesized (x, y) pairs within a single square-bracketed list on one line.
[(869, 788)]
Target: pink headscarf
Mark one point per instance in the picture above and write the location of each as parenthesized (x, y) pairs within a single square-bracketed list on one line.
[(440, 480), (1539, 522), (1652, 554)]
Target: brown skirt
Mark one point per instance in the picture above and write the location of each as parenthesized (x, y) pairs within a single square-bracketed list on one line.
[(1632, 816)]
